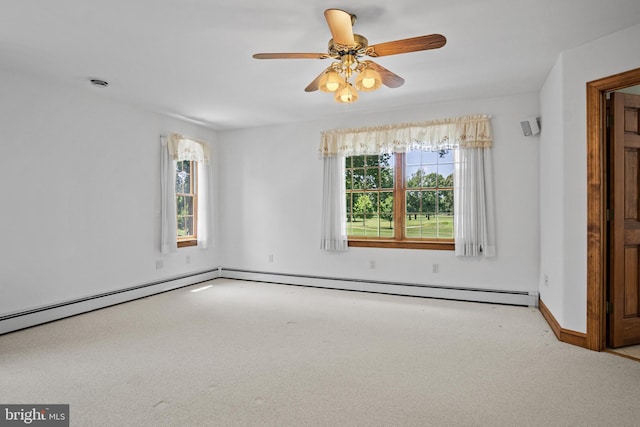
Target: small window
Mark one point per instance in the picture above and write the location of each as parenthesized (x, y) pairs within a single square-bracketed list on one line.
[(402, 200), (186, 203)]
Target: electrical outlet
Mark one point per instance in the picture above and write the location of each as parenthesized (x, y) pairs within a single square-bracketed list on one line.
[(270, 257), (546, 280), (188, 259), (159, 264), (372, 264), (435, 268)]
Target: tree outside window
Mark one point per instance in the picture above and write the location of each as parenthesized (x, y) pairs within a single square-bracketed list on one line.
[(401, 199), (369, 185), (186, 202)]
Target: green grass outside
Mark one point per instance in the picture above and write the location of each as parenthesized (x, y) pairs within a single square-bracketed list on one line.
[(436, 226)]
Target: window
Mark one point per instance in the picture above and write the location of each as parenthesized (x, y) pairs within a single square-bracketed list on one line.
[(370, 193), (186, 202), (400, 200), (417, 210)]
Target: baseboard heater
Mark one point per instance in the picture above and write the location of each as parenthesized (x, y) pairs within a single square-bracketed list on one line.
[(27, 318), (529, 299), (24, 319)]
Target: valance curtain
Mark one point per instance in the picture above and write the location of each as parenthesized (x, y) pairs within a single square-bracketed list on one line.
[(472, 140), (462, 132), (181, 148), (176, 148)]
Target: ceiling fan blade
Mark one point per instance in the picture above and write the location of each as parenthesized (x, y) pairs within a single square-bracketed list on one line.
[(291, 56), (341, 26), (389, 78), (433, 41), (313, 86)]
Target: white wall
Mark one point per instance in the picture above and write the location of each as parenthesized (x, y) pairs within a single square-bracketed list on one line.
[(80, 200), (552, 202), (604, 57), (80, 207), (271, 198)]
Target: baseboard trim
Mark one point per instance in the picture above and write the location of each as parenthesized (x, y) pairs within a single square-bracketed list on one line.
[(529, 299), (39, 315), (26, 318), (565, 335)]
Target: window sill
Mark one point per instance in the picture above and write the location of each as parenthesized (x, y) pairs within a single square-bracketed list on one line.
[(187, 243), (445, 245)]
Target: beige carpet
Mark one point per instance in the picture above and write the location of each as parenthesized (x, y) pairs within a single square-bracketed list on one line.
[(245, 354)]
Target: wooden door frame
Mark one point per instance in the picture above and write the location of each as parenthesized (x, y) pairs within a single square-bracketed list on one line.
[(596, 203)]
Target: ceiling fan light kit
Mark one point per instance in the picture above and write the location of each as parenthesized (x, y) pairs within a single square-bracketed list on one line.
[(347, 94), (368, 80), (331, 81), (348, 49)]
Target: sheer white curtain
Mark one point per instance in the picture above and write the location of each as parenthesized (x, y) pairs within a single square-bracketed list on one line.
[(176, 148), (469, 136), (168, 222), (474, 222), (334, 212), (205, 205)]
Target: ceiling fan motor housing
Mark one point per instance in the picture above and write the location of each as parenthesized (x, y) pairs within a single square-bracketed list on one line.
[(337, 50)]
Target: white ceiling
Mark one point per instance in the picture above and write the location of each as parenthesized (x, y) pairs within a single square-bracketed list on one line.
[(192, 58)]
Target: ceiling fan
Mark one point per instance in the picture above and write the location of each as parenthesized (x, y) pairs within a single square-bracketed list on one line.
[(348, 49)]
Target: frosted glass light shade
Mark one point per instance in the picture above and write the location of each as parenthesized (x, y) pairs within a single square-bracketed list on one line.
[(330, 82), (368, 80), (347, 94)]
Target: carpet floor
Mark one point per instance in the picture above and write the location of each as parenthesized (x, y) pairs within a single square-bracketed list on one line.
[(253, 354)]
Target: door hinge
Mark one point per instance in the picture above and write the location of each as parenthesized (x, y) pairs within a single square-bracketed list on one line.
[(608, 307), (609, 214)]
